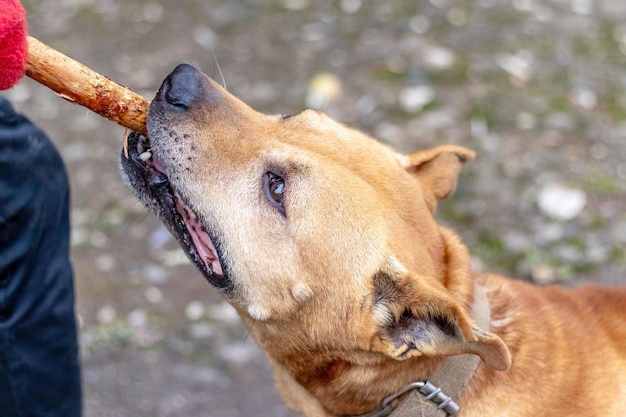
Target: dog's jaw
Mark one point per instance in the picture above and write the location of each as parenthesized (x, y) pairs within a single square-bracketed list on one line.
[(148, 179)]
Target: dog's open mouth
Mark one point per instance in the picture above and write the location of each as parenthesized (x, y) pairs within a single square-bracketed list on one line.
[(147, 178)]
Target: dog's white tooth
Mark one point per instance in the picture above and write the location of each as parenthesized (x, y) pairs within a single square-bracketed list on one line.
[(145, 156)]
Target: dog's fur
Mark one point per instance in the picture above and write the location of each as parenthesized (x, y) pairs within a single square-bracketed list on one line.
[(350, 285)]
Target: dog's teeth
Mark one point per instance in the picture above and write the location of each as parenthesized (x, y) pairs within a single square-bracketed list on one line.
[(145, 156), (188, 211)]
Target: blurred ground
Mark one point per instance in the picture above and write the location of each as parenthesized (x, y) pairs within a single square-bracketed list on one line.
[(537, 88)]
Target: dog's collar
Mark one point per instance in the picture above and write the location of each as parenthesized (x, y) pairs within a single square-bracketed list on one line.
[(436, 397)]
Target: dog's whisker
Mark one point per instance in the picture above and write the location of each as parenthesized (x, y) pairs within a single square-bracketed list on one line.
[(219, 68), (247, 336)]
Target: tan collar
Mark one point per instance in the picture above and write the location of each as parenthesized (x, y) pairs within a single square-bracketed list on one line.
[(436, 397)]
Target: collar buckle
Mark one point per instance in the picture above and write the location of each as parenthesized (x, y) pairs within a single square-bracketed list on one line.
[(454, 374), (431, 393)]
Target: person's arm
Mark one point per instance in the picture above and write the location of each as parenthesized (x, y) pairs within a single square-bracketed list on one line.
[(13, 50)]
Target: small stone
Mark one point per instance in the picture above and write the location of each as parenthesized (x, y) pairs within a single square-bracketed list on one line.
[(194, 310), (561, 202), (439, 57), (105, 263), (351, 6), (519, 65), (323, 88), (457, 17), (419, 24), (296, 4), (224, 313), (154, 295), (138, 318), (413, 99), (106, 314), (205, 37), (585, 98), (543, 275)]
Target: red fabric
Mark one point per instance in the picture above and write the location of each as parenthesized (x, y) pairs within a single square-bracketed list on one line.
[(13, 49)]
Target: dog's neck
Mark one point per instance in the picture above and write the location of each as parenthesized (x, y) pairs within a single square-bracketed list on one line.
[(438, 395), (458, 278), (331, 379)]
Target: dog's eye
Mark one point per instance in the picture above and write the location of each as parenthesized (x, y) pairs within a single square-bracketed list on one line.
[(274, 186)]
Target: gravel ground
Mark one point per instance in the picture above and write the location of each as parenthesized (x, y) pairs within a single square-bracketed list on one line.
[(536, 88)]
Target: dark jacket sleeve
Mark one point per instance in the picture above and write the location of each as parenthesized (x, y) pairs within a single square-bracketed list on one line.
[(38, 340)]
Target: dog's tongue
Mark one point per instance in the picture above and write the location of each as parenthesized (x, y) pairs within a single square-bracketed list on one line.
[(201, 240)]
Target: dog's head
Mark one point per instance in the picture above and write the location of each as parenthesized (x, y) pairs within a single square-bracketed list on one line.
[(321, 237)]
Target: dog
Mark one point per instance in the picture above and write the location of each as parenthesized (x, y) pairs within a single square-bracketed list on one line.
[(324, 241)]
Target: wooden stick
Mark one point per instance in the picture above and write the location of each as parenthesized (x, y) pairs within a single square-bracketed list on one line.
[(78, 84)]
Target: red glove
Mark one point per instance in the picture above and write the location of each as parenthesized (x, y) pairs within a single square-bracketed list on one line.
[(13, 49)]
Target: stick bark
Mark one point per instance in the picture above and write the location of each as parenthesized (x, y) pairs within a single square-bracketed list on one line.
[(79, 84)]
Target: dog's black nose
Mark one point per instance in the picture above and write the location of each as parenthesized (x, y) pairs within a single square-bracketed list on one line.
[(182, 87)]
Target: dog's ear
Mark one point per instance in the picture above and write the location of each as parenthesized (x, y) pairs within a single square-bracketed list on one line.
[(437, 170), (417, 319)]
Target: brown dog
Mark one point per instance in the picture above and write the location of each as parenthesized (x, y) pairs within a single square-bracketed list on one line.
[(324, 241)]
